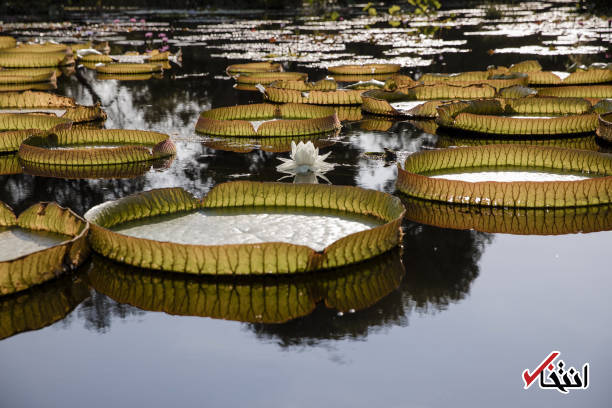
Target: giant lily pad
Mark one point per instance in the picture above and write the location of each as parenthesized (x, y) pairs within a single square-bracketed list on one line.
[(26, 121), (428, 175), (10, 140), (31, 99), (530, 221), (70, 147), (95, 58), (267, 144), (252, 67), (302, 85), (119, 227), (520, 116), (27, 76), (126, 68), (421, 100), (478, 77), (35, 60), (363, 77), (38, 86), (40, 244), (7, 42), (128, 77), (247, 81), (591, 91), (41, 306), (101, 171), (39, 48), (585, 75), (316, 97), (263, 120), (261, 300), (365, 69), (589, 76), (604, 130)]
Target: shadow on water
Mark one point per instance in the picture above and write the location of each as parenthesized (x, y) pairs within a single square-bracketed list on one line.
[(441, 266)]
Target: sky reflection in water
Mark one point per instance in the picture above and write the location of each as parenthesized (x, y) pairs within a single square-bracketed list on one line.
[(471, 311)]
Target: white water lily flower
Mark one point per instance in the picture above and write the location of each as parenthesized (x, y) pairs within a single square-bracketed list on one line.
[(305, 160)]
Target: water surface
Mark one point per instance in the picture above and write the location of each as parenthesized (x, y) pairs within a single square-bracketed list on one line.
[(471, 311)]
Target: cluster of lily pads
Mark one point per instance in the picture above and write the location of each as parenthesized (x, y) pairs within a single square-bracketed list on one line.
[(44, 132), (517, 103)]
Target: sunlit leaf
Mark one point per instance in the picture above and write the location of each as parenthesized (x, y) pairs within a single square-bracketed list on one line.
[(37, 267), (241, 259), (414, 179)]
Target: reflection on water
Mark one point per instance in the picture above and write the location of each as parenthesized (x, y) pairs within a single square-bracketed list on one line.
[(550, 221), (269, 299), (440, 268), (41, 306), (464, 305)]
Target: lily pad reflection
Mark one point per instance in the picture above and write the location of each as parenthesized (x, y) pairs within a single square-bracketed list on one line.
[(277, 300)]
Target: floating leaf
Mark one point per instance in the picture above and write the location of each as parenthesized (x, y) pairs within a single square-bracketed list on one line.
[(125, 68), (489, 116), (414, 180), (246, 259), (315, 97), (102, 171), (421, 100), (254, 67), (37, 267), (24, 121), (38, 48), (135, 146), (365, 69), (322, 85), (30, 99), (475, 78), (604, 130), (95, 58), (591, 91), (35, 60), (27, 76), (268, 120), (7, 42), (266, 78)]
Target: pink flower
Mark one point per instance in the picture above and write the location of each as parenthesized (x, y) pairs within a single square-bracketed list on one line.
[(142, 20), (149, 35), (161, 35), (132, 20), (164, 48), (116, 21)]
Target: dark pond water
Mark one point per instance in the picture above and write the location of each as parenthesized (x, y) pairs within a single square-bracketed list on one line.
[(452, 319)]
